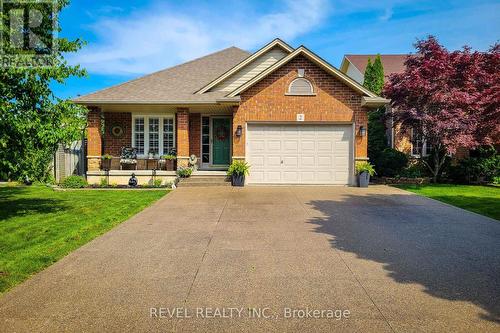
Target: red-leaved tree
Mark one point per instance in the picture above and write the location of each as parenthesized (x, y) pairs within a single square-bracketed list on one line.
[(449, 99)]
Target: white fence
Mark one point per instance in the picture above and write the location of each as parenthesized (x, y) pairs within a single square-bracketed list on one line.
[(69, 160)]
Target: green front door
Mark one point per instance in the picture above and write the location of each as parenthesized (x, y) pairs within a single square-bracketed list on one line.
[(221, 141)]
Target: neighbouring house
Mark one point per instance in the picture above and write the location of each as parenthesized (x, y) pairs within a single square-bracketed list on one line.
[(292, 116), (354, 65)]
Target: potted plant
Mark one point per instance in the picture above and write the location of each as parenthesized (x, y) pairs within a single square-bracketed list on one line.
[(237, 171), (364, 170), (106, 161), (169, 160)]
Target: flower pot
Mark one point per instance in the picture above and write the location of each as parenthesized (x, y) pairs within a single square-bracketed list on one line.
[(106, 164), (364, 179), (238, 180), (169, 165)]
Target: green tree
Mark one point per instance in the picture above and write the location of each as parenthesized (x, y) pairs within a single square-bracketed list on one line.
[(374, 81), (33, 121)]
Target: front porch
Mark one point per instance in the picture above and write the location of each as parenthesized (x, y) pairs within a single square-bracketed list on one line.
[(202, 131)]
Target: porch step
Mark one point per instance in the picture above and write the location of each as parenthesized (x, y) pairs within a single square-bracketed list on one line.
[(198, 181)]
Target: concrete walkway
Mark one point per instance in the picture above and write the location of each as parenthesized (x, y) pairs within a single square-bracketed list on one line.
[(397, 262)]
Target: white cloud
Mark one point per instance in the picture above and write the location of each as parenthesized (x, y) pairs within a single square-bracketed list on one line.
[(160, 37)]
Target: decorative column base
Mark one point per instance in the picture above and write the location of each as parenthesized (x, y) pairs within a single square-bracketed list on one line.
[(93, 163), (182, 161)]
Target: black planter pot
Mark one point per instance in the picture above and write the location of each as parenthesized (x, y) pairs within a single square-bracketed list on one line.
[(238, 180)]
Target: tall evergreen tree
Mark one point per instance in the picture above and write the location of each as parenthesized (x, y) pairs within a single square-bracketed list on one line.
[(374, 81)]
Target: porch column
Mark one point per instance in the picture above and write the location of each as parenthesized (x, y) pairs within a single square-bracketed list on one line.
[(182, 137), (94, 139)]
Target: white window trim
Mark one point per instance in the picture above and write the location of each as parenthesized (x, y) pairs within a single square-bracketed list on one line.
[(146, 132), (424, 146)]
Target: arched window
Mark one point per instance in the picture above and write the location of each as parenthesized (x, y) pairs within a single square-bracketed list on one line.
[(300, 86)]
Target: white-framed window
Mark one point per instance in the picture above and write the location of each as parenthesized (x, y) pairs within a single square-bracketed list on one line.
[(300, 86), (153, 133), (138, 135), (418, 145)]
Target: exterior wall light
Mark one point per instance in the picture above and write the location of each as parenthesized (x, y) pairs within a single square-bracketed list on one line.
[(239, 130), (362, 131)]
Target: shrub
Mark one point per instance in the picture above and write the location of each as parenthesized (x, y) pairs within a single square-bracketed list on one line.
[(391, 162), (74, 182), (365, 167), (157, 183), (238, 168), (496, 180), (103, 182), (483, 165), (412, 171), (184, 172)]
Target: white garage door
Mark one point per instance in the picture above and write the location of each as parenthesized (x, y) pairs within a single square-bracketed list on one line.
[(299, 154)]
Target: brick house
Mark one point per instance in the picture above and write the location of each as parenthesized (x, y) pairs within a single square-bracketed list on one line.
[(294, 117)]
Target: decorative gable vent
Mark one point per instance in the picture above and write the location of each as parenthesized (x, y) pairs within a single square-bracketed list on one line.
[(300, 86)]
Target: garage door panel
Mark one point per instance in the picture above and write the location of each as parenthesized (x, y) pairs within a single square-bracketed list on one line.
[(291, 161), (257, 161), (273, 161), (307, 161), (307, 146), (273, 176), (291, 176), (341, 162), (307, 176), (325, 161), (300, 154), (324, 145), (324, 176), (342, 147), (274, 146), (257, 145)]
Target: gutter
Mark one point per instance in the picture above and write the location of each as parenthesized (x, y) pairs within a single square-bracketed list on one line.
[(374, 102)]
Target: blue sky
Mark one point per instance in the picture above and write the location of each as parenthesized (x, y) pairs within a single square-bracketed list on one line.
[(127, 39)]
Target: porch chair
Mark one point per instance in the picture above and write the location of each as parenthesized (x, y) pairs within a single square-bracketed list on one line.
[(128, 157)]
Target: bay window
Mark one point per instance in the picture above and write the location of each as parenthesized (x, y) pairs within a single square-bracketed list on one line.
[(153, 134)]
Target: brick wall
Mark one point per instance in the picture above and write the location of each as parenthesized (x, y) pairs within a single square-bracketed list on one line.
[(194, 134), (112, 144), (334, 101)]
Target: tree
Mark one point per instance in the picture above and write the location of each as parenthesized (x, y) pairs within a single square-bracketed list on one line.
[(374, 75), (33, 121), (374, 81), (449, 99)]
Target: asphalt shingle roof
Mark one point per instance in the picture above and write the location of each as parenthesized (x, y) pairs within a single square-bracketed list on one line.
[(178, 83), (393, 63)]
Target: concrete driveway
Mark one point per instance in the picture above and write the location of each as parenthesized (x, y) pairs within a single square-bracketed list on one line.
[(395, 261)]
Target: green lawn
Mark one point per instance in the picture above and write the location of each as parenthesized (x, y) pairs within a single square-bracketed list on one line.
[(38, 225), (484, 200)]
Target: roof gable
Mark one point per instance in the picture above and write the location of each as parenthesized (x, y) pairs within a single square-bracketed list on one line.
[(249, 67), (316, 59)]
